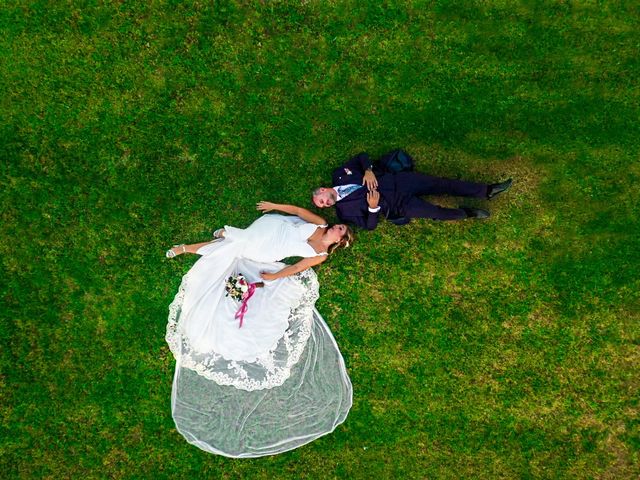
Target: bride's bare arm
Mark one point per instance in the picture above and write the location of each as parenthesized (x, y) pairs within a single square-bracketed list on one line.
[(303, 213), (295, 268)]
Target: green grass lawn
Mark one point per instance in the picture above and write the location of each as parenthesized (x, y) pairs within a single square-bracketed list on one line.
[(505, 348)]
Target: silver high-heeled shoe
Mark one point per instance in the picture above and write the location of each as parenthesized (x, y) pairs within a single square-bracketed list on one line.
[(218, 233), (170, 253)]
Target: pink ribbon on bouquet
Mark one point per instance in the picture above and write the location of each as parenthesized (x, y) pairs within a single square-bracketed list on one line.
[(243, 308)]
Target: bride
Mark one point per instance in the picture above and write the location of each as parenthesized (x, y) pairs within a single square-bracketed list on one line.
[(275, 379)]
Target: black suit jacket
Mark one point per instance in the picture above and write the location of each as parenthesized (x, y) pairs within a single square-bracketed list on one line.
[(354, 207)]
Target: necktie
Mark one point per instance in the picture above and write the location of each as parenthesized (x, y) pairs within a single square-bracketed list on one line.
[(347, 189)]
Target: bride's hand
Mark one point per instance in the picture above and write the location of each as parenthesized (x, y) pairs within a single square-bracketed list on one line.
[(266, 206), (267, 276)]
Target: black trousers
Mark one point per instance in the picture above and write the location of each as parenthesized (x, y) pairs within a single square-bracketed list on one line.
[(411, 185)]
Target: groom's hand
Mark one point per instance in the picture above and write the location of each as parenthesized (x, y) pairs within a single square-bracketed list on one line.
[(370, 180), (373, 197)]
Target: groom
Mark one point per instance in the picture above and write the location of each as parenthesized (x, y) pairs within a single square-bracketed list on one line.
[(361, 197)]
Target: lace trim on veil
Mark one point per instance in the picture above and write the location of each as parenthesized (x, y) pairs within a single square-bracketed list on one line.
[(270, 370)]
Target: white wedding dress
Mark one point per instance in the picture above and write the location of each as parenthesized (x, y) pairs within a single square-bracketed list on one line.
[(274, 384)]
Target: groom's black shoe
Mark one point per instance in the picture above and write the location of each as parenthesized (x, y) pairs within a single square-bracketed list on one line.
[(496, 188), (475, 212)]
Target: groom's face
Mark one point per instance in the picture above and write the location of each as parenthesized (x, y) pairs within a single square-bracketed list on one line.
[(325, 197)]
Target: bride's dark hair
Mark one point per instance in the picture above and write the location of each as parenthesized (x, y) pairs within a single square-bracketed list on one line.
[(344, 242)]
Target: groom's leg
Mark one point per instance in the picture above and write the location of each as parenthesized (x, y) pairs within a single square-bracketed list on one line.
[(419, 208), (416, 183)]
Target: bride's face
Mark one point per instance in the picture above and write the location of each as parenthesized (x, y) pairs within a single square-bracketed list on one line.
[(336, 232)]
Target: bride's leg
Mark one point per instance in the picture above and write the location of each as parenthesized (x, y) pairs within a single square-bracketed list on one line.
[(193, 248)]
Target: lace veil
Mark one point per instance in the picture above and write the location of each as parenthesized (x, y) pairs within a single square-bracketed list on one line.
[(296, 393)]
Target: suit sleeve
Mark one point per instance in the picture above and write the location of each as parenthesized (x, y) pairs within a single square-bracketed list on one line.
[(367, 221), (360, 163), (372, 220)]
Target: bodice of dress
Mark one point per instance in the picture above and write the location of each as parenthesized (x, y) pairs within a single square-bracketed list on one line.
[(304, 231), (274, 237)]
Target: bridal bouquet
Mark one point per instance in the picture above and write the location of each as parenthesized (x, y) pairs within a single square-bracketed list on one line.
[(240, 290), (237, 287)]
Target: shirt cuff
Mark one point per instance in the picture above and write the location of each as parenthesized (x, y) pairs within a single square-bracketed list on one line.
[(374, 210)]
